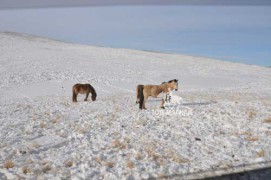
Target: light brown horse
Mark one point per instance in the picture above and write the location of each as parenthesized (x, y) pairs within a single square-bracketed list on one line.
[(144, 91), (140, 86), (83, 89)]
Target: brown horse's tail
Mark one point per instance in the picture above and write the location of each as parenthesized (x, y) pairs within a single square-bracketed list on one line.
[(74, 95), (141, 96)]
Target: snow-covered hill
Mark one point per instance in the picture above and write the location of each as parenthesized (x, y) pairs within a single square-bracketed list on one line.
[(44, 134)]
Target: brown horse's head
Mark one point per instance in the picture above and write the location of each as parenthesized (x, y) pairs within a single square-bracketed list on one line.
[(93, 96), (173, 84)]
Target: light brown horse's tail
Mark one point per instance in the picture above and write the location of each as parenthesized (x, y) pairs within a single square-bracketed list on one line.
[(74, 95), (141, 96)]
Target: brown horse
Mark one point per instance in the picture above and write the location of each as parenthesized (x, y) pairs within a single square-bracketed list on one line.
[(83, 89), (144, 91)]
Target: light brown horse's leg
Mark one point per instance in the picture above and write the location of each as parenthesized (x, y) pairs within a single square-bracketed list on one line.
[(145, 99), (162, 104), (86, 97), (144, 107)]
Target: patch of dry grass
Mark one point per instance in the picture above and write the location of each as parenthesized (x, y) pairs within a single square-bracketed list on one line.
[(46, 168), (69, 163), (178, 159), (109, 164), (82, 131), (2, 145), (8, 164), (252, 138), (267, 120), (48, 113), (171, 154), (252, 114), (152, 154), (247, 133), (26, 170), (249, 136), (140, 122), (268, 133), (35, 145), (161, 161), (55, 119), (44, 162), (100, 116), (139, 156), (129, 164), (14, 152), (244, 133), (118, 144), (127, 139), (167, 154), (115, 144), (66, 103), (162, 176), (98, 160), (261, 153), (42, 125), (30, 161)]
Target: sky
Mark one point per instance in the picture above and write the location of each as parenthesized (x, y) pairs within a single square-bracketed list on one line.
[(233, 33), (4, 4)]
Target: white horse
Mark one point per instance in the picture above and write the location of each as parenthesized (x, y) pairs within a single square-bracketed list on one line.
[(171, 99)]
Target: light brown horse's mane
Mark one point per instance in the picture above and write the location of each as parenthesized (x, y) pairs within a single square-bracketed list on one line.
[(173, 80)]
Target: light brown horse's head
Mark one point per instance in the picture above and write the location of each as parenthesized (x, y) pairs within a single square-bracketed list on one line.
[(173, 84)]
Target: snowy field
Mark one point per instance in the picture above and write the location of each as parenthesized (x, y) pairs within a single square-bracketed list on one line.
[(45, 135)]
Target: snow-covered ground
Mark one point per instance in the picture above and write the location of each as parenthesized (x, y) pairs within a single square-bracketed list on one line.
[(44, 134)]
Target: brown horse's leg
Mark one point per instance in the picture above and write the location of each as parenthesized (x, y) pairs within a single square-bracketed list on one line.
[(74, 94), (86, 97), (74, 97)]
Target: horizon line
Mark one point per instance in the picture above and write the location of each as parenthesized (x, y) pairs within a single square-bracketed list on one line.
[(31, 4)]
